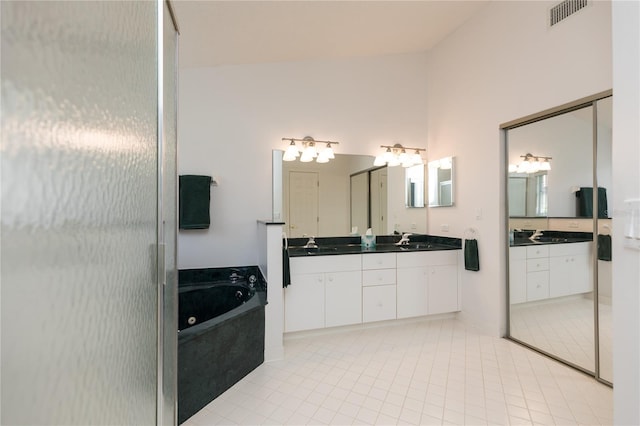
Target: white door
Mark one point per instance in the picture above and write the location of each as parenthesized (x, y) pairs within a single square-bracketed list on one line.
[(303, 204), (379, 201)]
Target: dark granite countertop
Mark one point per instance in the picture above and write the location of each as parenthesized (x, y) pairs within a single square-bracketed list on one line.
[(521, 238), (328, 246)]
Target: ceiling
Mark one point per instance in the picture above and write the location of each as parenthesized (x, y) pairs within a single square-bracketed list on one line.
[(214, 33)]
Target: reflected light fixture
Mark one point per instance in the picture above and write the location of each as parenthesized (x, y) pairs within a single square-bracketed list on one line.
[(308, 150), (531, 164), (397, 154)]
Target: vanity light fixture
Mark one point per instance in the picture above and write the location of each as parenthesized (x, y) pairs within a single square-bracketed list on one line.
[(397, 154), (531, 164), (308, 150)]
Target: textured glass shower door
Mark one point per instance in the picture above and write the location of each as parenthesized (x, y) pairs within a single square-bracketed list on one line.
[(79, 218)]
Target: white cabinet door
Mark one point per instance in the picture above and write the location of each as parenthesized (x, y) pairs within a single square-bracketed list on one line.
[(560, 269), (582, 274), (412, 292), (343, 298), (443, 289), (518, 280), (304, 302), (378, 303), (537, 285)]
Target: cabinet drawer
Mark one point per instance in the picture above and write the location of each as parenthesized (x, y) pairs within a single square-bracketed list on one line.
[(378, 261), (427, 258), (537, 251), (541, 264), (378, 277), (313, 265)]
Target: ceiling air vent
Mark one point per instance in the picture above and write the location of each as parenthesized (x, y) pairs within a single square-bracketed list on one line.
[(565, 9)]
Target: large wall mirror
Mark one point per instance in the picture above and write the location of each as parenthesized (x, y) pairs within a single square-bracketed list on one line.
[(559, 225), (331, 199)]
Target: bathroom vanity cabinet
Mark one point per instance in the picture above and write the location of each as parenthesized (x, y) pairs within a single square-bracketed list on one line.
[(336, 290), (325, 291), (543, 271)]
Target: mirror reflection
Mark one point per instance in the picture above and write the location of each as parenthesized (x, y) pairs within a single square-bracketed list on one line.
[(317, 196), (556, 249), (441, 182), (414, 186), (331, 199)]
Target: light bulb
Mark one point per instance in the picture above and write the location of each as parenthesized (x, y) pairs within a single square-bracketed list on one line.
[(388, 155), (379, 161), (416, 158), (322, 158), (306, 156), (328, 151), (291, 153), (403, 157), (310, 150), (545, 165), (394, 161)]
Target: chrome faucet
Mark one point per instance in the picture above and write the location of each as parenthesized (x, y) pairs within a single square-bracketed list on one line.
[(404, 241), (311, 243), (536, 235)]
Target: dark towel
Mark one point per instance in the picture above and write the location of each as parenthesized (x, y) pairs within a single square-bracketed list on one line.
[(471, 258), (286, 273), (195, 197), (604, 247), (585, 202)]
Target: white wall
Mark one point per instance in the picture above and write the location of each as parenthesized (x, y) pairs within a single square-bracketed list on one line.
[(503, 64), (232, 117), (626, 179)]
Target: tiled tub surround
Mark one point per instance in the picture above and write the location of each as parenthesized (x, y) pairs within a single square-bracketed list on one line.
[(215, 354), (348, 285)]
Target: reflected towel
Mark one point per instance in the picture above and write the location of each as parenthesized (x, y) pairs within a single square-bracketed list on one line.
[(195, 198), (585, 202), (286, 273), (471, 258), (604, 247)]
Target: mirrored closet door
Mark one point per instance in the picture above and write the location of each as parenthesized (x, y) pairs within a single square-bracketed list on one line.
[(559, 248)]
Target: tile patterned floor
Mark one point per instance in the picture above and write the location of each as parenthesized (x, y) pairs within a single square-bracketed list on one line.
[(425, 372), (564, 326)]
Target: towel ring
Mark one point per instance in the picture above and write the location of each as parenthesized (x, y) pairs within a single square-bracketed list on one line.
[(470, 234)]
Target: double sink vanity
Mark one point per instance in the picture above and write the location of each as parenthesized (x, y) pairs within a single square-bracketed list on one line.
[(335, 281)]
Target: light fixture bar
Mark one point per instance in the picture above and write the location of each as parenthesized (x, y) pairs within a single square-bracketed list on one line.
[(401, 147), (309, 139), (531, 157)]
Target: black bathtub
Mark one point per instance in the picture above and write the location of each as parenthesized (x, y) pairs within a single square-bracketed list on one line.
[(221, 333)]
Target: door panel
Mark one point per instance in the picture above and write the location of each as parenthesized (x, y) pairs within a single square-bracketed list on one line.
[(303, 204), (79, 212)]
